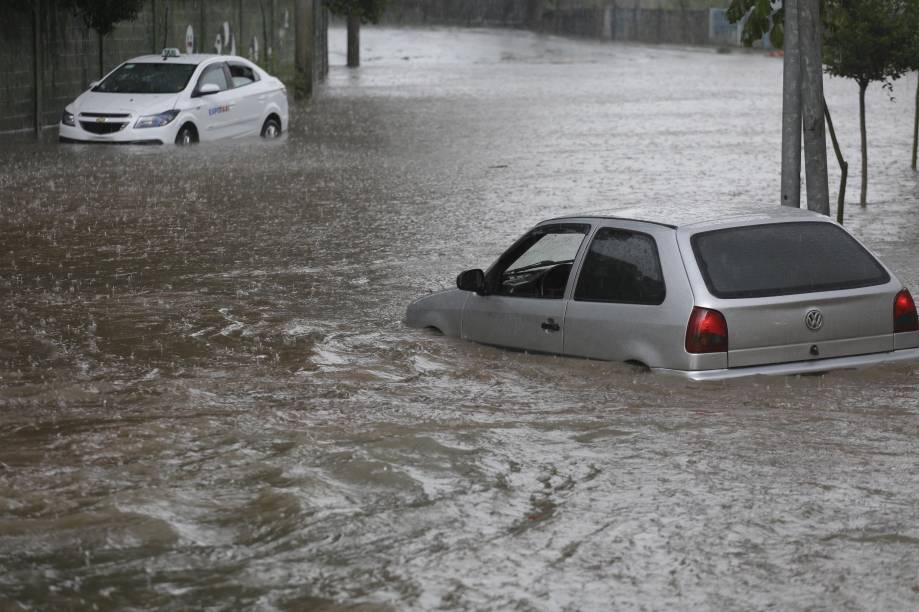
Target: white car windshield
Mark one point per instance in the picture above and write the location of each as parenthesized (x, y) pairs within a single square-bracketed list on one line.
[(147, 78)]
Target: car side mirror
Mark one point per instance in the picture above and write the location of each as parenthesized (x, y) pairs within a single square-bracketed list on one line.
[(208, 89), (94, 84), (471, 280)]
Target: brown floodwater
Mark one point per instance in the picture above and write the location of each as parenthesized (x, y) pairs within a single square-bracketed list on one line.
[(208, 398)]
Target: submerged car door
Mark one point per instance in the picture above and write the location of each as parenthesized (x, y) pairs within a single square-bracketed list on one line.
[(621, 309), (524, 302), (215, 111)]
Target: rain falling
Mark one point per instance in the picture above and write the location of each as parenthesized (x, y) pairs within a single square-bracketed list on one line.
[(209, 397)]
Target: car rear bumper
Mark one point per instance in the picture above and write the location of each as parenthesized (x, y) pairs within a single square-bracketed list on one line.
[(800, 367)]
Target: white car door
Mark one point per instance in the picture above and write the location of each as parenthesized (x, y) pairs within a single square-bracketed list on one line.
[(526, 292), (249, 97), (215, 111)]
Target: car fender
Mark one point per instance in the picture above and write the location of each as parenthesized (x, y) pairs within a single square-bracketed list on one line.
[(644, 352), (442, 310), (273, 108)]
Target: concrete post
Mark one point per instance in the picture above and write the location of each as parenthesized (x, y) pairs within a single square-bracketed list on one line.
[(791, 110), (812, 107)]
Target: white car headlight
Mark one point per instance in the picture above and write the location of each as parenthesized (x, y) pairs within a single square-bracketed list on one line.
[(155, 121), (67, 118)]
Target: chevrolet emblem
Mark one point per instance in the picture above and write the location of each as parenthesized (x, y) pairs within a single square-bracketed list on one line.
[(100, 119)]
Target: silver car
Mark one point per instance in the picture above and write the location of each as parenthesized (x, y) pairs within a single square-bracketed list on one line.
[(785, 292)]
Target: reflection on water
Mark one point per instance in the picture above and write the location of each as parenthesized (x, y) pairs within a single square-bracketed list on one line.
[(208, 398)]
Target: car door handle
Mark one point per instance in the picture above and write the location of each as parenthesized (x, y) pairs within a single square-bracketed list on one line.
[(550, 325)]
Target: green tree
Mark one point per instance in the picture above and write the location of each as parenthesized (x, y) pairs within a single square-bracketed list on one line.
[(867, 41), (357, 12), (762, 19), (102, 15)]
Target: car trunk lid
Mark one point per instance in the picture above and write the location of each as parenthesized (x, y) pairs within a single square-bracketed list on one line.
[(815, 326), (796, 290)]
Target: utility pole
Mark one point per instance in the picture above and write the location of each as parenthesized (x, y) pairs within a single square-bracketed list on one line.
[(791, 109), (812, 106)]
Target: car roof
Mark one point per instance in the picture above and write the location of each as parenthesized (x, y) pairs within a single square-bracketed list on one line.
[(695, 219), (192, 58)]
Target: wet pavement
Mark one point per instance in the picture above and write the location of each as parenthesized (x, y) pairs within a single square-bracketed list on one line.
[(208, 397)]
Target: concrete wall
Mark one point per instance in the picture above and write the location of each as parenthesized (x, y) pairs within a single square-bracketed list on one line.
[(66, 58), (649, 21), (503, 13)]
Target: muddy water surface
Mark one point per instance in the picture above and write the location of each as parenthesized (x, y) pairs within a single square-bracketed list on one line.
[(208, 397)]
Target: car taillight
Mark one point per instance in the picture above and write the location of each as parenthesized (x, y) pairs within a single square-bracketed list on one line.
[(707, 332), (904, 313)]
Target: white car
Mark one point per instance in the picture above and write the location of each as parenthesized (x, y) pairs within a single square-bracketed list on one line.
[(157, 99)]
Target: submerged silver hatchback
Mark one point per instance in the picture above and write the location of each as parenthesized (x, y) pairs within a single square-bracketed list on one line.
[(785, 292)]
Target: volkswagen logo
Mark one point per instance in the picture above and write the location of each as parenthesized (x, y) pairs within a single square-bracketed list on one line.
[(813, 319)]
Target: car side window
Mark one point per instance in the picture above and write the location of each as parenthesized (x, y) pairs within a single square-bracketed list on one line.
[(539, 264), (214, 75), (621, 266), (242, 75)]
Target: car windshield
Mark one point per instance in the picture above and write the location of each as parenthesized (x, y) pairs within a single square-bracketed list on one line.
[(783, 259), (147, 78), (548, 249)]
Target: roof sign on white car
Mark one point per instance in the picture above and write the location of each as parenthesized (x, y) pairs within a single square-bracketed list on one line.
[(170, 52)]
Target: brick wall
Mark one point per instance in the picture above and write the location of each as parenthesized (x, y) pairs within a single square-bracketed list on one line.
[(262, 30)]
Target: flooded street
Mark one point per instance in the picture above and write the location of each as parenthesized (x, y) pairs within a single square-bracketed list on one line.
[(208, 398)]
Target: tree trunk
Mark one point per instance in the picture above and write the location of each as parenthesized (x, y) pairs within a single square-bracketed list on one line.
[(791, 110), (534, 12), (354, 41), (863, 198), (38, 66), (916, 122), (812, 104), (304, 51), (101, 60), (843, 169)]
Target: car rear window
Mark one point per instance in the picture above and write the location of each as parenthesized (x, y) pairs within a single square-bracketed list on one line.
[(783, 259)]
